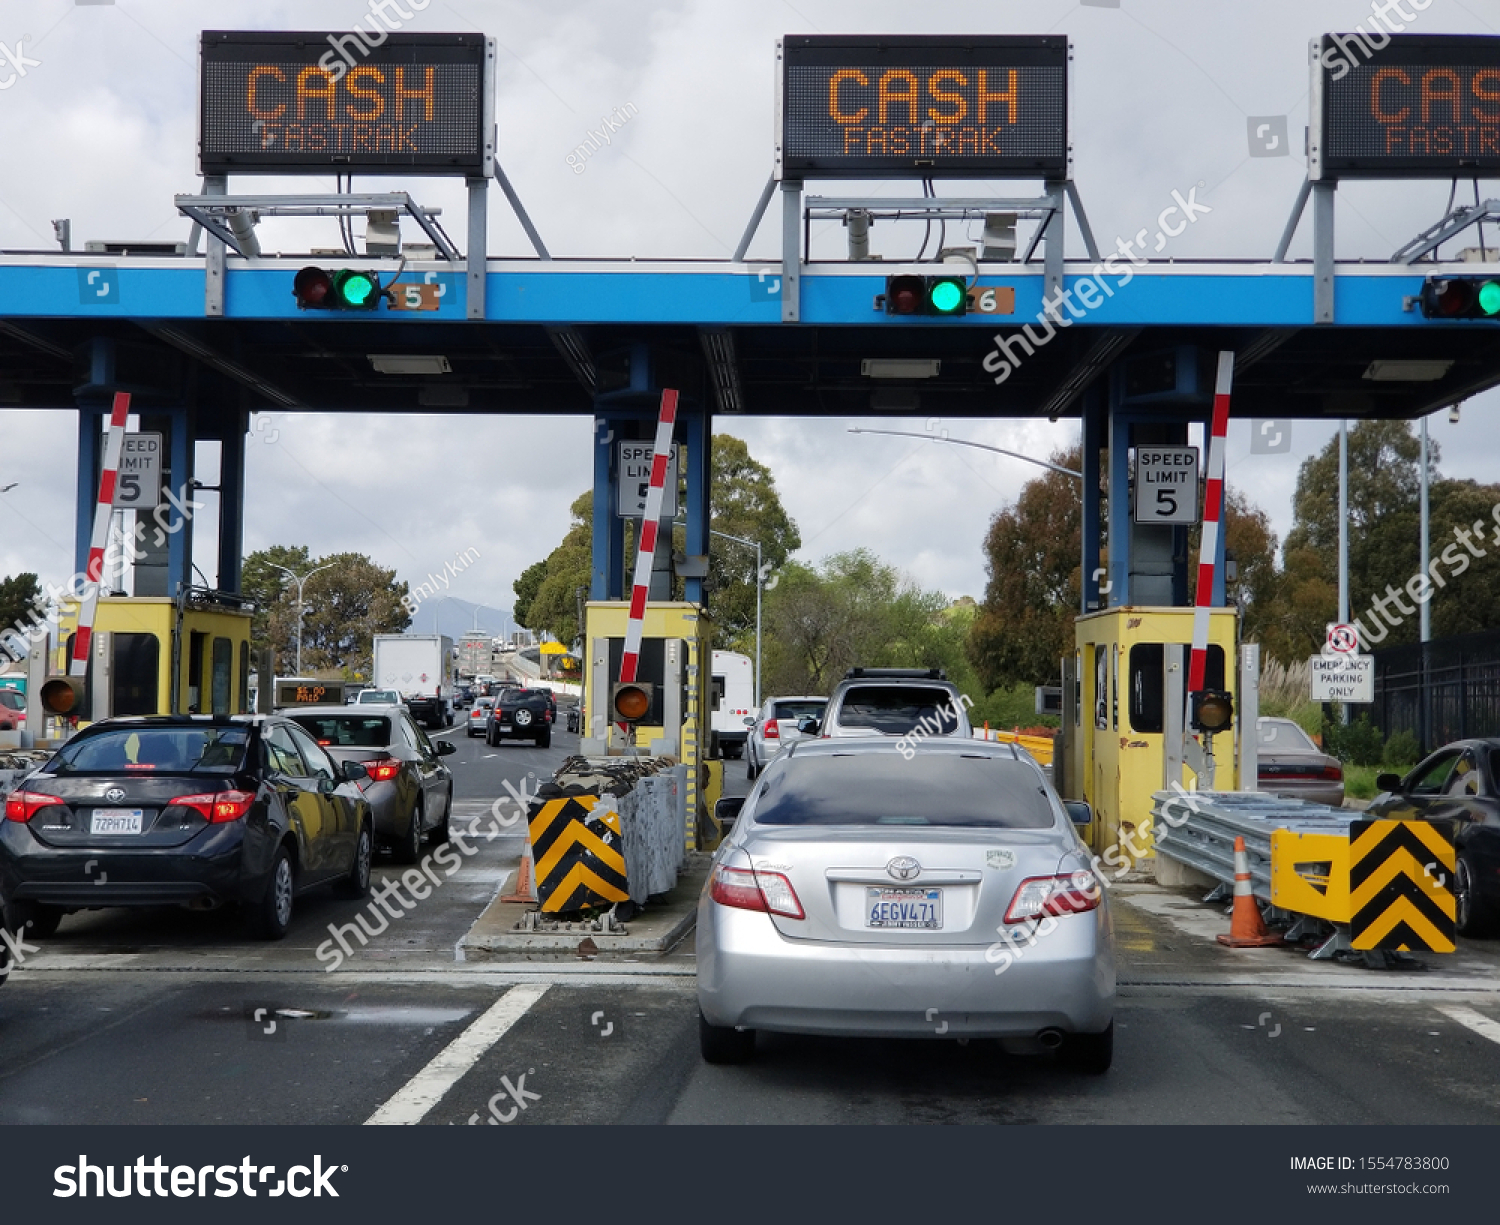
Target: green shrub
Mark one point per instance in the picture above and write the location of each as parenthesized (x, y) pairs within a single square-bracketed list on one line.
[(1359, 743), (1401, 751)]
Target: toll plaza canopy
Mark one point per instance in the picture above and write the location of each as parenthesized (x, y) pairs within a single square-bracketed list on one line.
[(556, 334)]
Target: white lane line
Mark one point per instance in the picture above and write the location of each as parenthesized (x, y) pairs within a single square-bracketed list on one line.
[(1475, 1021), (424, 1090)]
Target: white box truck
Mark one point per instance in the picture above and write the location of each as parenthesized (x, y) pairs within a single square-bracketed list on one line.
[(420, 667), (732, 701)]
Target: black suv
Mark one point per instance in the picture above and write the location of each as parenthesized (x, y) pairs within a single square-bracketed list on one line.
[(521, 714)]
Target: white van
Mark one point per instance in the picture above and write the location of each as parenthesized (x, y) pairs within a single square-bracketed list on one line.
[(732, 701)]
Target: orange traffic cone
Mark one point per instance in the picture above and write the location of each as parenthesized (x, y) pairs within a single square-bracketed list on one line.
[(1247, 930), (525, 882)]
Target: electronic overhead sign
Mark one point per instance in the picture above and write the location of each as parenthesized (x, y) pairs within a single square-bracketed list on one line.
[(313, 103), (1418, 106), (923, 106)]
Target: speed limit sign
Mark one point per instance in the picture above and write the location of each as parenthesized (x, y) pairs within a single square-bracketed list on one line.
[(1166, 485), (138, 485)]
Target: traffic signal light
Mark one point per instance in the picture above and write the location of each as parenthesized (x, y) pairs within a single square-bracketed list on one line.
[(1460, 297), (926, 295), (63, 695), (1212, 711), (342, 290), (631, 701)]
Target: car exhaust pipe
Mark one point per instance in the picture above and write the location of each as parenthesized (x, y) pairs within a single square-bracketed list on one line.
[(1051, 1039)]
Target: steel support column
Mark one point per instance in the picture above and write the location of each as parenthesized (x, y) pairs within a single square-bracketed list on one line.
[(698, 427), (1094, 413)]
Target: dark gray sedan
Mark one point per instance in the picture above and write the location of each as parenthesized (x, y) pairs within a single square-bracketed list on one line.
[(410, 789)]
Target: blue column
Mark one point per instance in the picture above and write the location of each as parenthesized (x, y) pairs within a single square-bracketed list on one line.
[(1093, 425), (1119, 491), (232, 504), (91, 418), (604, 584), (180, 543), (698, 427)]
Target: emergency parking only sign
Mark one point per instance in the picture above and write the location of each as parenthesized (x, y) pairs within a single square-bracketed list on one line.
[(1166, 485)]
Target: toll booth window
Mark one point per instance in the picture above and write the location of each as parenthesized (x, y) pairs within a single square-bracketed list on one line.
[(244, 677), (1101, 688), (136, 680), (223, 674), (1078, 689), (1114, 693), (1147, 664)]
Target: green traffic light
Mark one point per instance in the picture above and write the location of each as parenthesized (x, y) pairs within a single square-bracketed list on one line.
[(1489, 298), (356, 289), (946, 297)]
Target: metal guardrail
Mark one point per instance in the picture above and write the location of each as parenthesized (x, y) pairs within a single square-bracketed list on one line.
[(1198, 828)]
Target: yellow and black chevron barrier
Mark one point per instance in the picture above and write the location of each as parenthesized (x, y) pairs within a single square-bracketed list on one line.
[(1401, 886), (578, 852)]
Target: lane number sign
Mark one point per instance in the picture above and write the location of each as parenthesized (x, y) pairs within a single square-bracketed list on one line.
[(1166, 485)]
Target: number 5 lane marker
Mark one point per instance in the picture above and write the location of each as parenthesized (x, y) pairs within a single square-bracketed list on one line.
[(424, 1090), (1475, 1021)]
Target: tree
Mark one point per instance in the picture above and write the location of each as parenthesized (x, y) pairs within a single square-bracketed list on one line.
[(525, 588), (553, 583), (344, 607), (743, 502), (1033, 554), (18, 596)]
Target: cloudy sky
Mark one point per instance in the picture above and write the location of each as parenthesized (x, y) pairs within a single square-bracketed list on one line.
[(102, 131)]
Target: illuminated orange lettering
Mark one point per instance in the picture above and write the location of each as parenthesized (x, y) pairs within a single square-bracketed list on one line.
[(1489, 141), (305, 91), (966, 143), (1395, 139), (1376, 106), (901, 141), (1431, 95), (1442, 140), (407, 142), (837, 79), (1486, 95), (428, 93), (362, 136), (1011, 95), (876, 136), (317, 139), (941, 95), (907, 96), (293, 139), (1423, 135), (851, 134), (251, 104), (369, 95)]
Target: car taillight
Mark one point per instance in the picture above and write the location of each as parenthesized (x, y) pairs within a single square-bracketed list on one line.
[(1054, 895), (772, 732), (770, 892), (216, 807), (1334, 774), (383, 769), (23, 805)]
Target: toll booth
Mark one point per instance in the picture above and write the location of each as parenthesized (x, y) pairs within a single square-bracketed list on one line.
[(676, 642), (1120, 715), (162, 656)]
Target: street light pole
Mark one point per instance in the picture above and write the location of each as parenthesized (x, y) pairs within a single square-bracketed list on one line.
[(760, 578), (301, 584), (966, 442)]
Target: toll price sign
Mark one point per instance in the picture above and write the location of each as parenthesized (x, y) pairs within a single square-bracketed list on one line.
[(309, 693), (1419, 106), (309, 103), (138, 482), (1166, 485), (915, 106)]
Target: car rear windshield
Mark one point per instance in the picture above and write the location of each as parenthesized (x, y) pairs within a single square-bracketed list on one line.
[(799, 710), (1283, 734), (897, 709), (160, 750), (348, 731), (887, 789), (12, 699), (379, 697)]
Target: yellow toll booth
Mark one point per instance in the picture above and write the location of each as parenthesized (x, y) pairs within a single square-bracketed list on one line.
[(676, 646), (152, 657), (1117, 741)]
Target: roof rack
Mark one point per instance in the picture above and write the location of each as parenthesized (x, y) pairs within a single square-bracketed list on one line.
[(896, 674)]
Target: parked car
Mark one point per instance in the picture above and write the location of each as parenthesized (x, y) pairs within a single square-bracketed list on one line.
[(379, 697), (1459, 783), (521, 714), (12, 710), (860, 893), (774, 726), (1292, 766), (893, 702), (198, 810), (479, 714), (410, 790)]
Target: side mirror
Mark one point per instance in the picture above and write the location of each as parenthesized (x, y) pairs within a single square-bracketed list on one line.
[(1387, 782), (727, 811), (1079, 811), (749, 720), (445, 748), (807, 725), (354, 771)]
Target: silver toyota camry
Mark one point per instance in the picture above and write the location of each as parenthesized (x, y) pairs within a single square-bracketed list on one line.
[(934, 891)]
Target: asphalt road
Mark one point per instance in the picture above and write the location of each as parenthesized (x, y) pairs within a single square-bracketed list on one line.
[(171, 1017)]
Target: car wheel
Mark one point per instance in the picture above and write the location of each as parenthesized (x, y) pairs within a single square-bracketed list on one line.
[(544, 738), (489, 739), (410, 848), (734, 751), (724, 1044), (1090, 1053), (440, 834), (356, 882), (751, 771), (1475, 915), (35, 920), (273, 913)]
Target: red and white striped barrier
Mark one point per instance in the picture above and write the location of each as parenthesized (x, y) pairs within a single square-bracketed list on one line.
[(103, 509), (645, 552), (1213, 511)]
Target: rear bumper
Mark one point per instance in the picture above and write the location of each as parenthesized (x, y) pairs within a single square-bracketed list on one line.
[(751, 976), (1314, 792)]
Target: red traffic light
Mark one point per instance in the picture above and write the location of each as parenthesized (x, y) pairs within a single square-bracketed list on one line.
[(1460, 298), (344, 290), (313, 289), (905, 295)]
